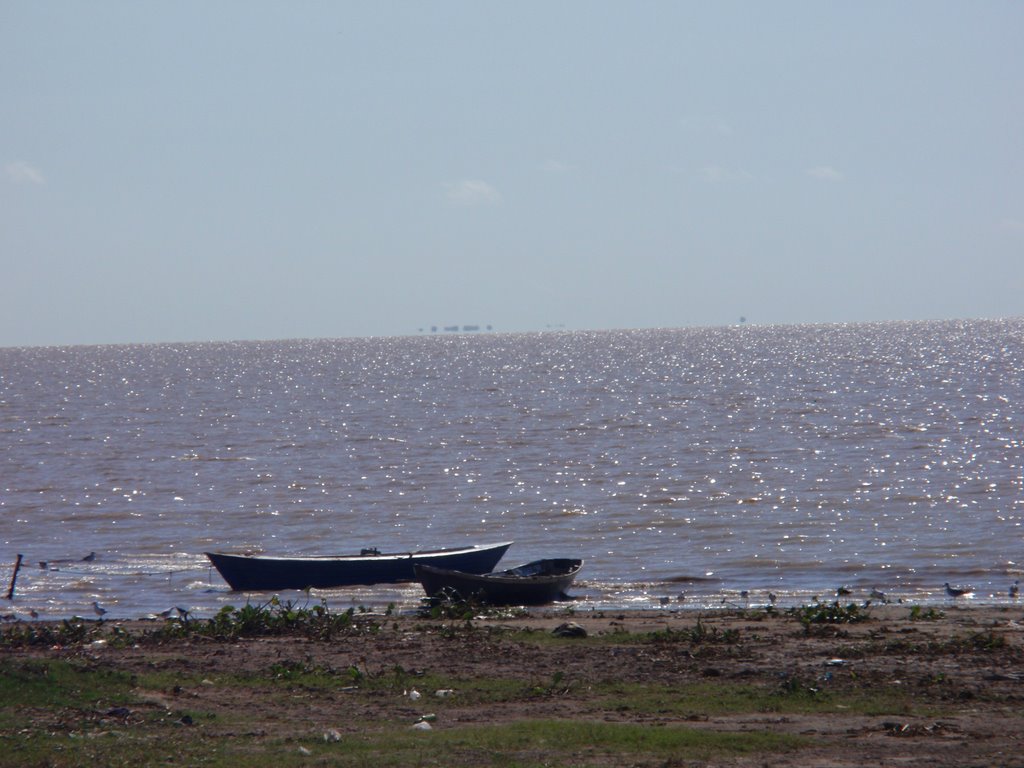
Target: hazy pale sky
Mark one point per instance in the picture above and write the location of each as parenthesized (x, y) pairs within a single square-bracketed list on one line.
[(195, 171)]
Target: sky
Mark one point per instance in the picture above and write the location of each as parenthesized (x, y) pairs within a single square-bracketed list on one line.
[(197, 171)]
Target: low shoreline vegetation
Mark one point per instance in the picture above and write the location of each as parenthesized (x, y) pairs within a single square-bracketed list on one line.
[(270, 619), (276, 618)]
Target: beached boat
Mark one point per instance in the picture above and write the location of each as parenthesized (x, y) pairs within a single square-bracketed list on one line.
[(254, 573), (536, 583)]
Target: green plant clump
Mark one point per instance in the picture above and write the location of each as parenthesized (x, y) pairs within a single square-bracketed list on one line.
[(699, 633), (830, 613), (69, 632), (271, 618)]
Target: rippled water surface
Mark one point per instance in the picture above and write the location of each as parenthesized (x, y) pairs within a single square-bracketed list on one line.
[(696, 462)]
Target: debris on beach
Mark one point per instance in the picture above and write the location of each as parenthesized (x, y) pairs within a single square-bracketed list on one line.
[(569, 629)]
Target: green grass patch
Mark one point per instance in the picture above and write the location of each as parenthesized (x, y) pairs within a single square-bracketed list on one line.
[(701, 633), (525, 744), (522, 744), (58, 684), (122, 747), (791, 696), (77, 729)]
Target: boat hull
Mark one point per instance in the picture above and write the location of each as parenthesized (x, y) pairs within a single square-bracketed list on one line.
[(257, 573), (536, 583)]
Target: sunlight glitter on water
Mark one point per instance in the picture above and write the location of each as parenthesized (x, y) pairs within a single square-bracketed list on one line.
[(788, 458)]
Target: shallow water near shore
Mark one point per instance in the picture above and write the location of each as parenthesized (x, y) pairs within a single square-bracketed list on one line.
[(684, 466)]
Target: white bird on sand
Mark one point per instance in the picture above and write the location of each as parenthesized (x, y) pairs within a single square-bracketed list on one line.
[(98, 609), (1015, 589), (956, 592)]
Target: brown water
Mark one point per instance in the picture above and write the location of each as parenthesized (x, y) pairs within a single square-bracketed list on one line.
[(698, 461)]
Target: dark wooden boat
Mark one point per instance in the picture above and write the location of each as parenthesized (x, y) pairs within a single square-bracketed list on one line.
[(536, 583), (255, 573)]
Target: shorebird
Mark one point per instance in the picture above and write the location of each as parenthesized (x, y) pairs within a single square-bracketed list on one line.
[(1015, 589), (89, 558), (842, 591), (877, 594), (772, 598), (98, 609), (956, 592)]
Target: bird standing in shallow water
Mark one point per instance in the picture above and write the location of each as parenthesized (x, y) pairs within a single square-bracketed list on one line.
[(1015, 589), (956, 592), (98, 609)]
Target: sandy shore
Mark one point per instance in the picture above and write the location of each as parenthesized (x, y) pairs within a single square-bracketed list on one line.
[(942, 687)]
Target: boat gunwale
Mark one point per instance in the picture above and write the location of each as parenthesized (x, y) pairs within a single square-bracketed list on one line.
[(377, 557), (505, 577)]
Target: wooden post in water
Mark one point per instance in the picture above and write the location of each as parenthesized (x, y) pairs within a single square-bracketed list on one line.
[(14, 578)]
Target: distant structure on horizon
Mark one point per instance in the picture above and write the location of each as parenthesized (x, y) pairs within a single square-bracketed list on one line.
[(457, 328)]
